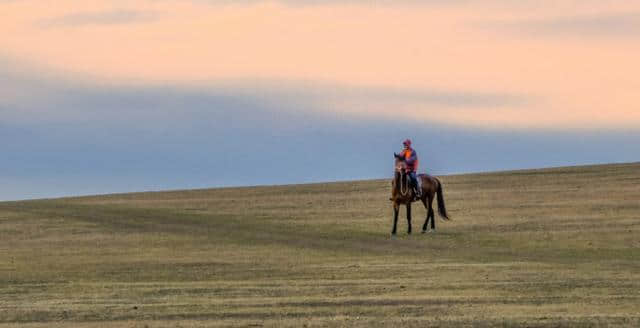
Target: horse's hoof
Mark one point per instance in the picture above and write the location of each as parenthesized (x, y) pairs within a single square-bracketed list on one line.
[(423, 231)]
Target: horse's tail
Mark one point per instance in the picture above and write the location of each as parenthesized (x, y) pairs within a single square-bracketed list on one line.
[(442, 210)]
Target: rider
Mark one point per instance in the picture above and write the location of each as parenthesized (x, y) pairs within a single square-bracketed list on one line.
[(410, 157)]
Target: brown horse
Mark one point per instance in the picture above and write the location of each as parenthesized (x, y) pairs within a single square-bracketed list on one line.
[(402, 193)]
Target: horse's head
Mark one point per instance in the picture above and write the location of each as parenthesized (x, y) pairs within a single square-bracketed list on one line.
[(400, 166), (400, 169), (400, 181)]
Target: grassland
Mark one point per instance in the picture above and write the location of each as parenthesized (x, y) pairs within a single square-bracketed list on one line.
[(553, 247)]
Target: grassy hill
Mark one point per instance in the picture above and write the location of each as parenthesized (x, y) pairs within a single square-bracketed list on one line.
[(556, 247)]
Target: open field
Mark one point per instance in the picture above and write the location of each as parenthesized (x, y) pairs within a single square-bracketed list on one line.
[(553, 247)]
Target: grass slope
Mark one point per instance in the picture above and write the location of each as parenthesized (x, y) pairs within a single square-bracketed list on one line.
[(552, 247)]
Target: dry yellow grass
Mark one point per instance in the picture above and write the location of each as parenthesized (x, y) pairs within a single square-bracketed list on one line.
[(553, 247)]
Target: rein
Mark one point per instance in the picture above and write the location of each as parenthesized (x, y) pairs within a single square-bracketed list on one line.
[(403, 185)]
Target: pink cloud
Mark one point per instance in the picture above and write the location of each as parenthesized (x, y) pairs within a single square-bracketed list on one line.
[(586, 83)]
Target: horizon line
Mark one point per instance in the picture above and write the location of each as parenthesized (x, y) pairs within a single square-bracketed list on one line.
[(112, 194)]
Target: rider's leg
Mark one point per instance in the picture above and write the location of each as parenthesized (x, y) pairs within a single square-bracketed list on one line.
[(414, 183)]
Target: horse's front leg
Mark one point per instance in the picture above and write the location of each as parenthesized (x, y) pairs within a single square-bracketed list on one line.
[(396, 209), (409, 217)]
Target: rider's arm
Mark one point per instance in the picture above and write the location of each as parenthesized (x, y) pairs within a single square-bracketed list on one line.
[(412, 158)]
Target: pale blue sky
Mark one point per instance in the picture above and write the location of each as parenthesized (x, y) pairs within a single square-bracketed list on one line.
[(65, 138)]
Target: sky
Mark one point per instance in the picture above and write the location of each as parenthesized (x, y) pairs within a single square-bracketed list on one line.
[(120, 96)]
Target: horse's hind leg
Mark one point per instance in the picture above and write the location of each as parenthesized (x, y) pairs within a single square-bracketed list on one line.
[(433, 215), (426, 220), (430, 215), (409, 217), (396, 209)]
